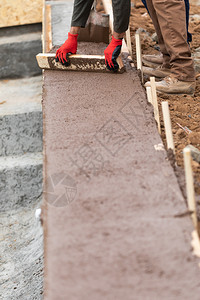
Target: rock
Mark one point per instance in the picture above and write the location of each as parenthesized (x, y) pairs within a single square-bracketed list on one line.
[(197, 17), (197, 49), (180, 133), (194, 138), (157, 47), (197, 65), (142, 30)]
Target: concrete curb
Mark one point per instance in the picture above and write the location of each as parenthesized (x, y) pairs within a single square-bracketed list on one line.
[(20, 181), (20, 51), (21, 133)]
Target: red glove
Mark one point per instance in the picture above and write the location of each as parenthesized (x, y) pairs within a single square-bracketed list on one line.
[(111, 54), (69, 47)]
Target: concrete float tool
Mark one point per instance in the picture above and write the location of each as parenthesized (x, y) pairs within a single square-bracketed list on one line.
[(78, 62)]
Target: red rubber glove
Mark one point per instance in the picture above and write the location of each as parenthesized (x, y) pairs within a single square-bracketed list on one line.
[(69, 47), (111, 54)]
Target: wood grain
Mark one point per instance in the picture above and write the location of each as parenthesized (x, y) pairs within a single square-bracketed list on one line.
[(88, 63), (19, 12)]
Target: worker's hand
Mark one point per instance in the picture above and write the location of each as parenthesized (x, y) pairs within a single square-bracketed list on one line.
[(69, 47), (111, 54)]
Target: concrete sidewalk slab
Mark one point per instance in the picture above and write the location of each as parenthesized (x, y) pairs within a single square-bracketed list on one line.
[(110, 196), (20, 116), (21, 261), (18, 55), (20, 181)]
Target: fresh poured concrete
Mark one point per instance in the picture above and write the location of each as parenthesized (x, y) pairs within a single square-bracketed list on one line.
[(111, 195)]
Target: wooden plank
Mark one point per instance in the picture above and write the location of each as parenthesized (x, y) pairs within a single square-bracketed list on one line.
[(149, 94), (44, 27), (20, 12), (195, 243), (48, 29), (139, 54), (138, 51), (88, 63), (128, 41)]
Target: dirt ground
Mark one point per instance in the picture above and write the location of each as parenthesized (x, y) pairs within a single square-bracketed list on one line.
[(184, 109)]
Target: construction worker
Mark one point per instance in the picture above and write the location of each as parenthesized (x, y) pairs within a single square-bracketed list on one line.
[(177, 68), (121, 12), (187, 11)]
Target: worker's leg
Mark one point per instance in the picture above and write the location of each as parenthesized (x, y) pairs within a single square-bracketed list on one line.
[(80, 15), (171, 18), (121, 13), (154, 17), (81, 12), (187, 10)]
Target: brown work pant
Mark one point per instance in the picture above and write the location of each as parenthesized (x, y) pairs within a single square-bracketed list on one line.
[(168, 17)]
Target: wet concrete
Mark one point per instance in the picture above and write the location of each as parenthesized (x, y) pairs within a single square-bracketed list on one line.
[(110, 195)]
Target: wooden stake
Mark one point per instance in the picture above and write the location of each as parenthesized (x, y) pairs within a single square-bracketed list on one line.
[(155, 102), (139, 54), (168, 125), (138, 51), (48, 29), (190, 185), (195, 153), (149, 94), (128, 41), (44, 27)]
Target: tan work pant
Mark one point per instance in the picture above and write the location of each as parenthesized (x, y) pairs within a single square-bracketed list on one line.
[(168, 17)]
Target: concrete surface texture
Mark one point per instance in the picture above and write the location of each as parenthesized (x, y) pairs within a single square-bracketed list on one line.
[(111, 195), (20, 180), (21, 261), (20, 50), (20, 116)]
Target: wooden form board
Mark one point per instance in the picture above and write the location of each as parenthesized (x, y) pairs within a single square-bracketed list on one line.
[(47, 29), (108, 9), (87, 63), (20, 12)]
